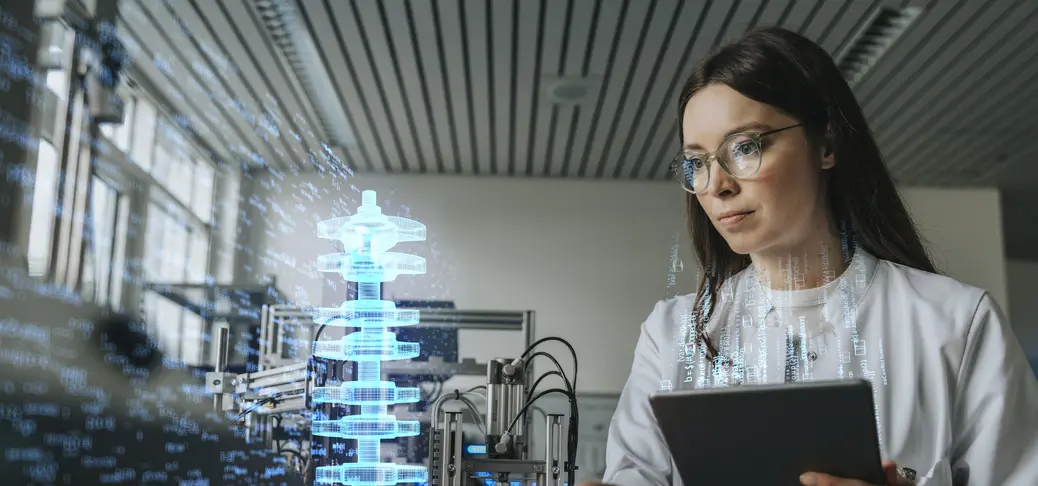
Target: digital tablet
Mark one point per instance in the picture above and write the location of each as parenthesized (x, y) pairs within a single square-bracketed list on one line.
[(771, 434)]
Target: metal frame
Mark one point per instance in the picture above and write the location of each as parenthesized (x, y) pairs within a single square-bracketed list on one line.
[(524, 321), (290, 382)]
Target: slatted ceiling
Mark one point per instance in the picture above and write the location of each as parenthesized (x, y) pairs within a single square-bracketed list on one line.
[(661, 104), (905, 57), (980, 101), (357, 94), (982, 105), (200, 82), (369, 153), (956, 63), (799, 14), (502, 46), (271, 89), (709, 31), (607, 27), (638, 26), (446, 16), (381, 69), (201, 89), (822, 17), (930, 53), (556, 125), (418, 17), (538, 139), (995, 135), (773, 12), (662, 29), (920, 100), (402, 50), (203, 121), (461, 86), (657, 32), (742, 17), (526, 83), (847, 22), (379, 82)]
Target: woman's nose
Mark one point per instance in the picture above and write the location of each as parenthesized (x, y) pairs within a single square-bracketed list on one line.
[(721, 184)]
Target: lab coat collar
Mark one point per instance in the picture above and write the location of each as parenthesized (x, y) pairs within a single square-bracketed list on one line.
[(839, 297)]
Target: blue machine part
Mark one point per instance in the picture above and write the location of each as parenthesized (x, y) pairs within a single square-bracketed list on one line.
[(366, 237)]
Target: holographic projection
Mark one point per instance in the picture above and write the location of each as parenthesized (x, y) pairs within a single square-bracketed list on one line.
[(366, 236)]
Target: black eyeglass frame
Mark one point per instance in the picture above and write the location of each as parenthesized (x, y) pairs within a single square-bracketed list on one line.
[(677, 171)]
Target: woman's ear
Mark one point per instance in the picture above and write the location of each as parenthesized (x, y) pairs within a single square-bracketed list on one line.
[(828, 154)]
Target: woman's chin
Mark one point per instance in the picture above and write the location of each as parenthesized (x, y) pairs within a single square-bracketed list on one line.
[(742, 244)]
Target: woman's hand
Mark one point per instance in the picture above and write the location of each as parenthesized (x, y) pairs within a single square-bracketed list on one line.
[(819, 479)]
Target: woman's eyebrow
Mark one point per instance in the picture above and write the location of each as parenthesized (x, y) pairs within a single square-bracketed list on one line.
[(741, 128)]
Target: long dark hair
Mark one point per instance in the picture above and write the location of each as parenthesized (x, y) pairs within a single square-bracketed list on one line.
[(793, 74)]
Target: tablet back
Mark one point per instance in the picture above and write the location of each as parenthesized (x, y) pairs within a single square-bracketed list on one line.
[(771, 434)]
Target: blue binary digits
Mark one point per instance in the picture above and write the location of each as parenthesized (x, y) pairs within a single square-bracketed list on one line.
[(366, 236)]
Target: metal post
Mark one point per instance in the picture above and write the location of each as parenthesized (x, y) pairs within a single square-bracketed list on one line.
[(553, 451), (529, 336), (266, 335), (451, 444), (222, 345)]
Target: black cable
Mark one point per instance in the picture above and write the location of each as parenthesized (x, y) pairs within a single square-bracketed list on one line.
[(522, 411), (317, 336), (572, 352), (251, 409), (574, 426), (558, 367), (545, 375)]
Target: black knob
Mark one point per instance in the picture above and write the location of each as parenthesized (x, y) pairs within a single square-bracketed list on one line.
[(126, 337)]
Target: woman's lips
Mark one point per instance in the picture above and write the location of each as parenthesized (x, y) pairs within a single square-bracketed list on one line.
[(733, 219)]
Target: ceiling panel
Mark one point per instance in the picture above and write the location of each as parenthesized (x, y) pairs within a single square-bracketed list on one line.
[(567, 54), (472, 87), (195, 79), (270, 88)]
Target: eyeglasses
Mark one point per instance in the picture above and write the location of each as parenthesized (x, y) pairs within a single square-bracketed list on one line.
[(739, 156)]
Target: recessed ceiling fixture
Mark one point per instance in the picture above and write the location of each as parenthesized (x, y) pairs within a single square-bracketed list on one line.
[(571, 91), (884, 27)]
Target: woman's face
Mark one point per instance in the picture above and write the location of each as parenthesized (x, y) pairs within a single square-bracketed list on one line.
[(780, 208)]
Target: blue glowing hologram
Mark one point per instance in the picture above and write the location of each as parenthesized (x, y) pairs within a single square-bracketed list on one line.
[(366, 237), (354, 393), (366, 346)]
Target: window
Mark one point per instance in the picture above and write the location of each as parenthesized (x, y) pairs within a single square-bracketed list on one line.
[(198, 258), (101, 241), (122, 230), (202, 196), (176, 253), (44, 203), (143, 134), (57, 81)]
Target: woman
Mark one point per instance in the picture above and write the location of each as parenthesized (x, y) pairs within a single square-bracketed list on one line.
[(813, 270)]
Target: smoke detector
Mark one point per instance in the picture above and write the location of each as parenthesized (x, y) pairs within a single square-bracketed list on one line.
[(571, 91), (883, 28)]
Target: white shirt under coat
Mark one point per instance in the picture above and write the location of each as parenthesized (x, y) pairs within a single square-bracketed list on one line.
[(956, 399)]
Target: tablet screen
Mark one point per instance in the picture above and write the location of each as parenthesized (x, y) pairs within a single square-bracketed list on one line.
[(771, 434)]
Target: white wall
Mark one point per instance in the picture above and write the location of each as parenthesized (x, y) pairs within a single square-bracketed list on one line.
[(1023, 303), (964, 230), (590, 257)]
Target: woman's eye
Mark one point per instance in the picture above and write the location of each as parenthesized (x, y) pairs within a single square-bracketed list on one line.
[(744, 149), (694, 163)]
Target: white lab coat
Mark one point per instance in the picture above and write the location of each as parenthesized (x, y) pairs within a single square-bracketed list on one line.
[(956, 399)]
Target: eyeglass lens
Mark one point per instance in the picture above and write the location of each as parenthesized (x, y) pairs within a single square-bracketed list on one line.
[(739, 156)]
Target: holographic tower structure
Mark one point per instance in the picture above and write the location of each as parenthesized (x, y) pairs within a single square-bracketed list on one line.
[(366, 236)]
